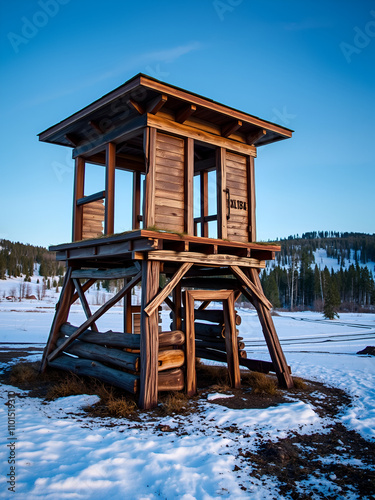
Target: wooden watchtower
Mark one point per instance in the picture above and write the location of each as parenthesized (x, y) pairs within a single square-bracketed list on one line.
[(192, 219)]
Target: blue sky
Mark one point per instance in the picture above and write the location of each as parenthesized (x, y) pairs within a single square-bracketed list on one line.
[(306, 65)]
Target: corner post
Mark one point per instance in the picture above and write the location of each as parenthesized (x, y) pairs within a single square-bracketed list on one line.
[(110, 166), (251, 199), (79, 188), (221, 194), (189, 180), (148, 397), (149, 145)]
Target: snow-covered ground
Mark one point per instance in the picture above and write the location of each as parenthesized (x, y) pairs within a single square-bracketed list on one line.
[(63, 454)]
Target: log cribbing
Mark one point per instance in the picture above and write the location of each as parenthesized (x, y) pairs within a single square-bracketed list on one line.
[(123, 380)]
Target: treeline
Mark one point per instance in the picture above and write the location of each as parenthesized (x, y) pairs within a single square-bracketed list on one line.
[(18, 259), (345, 247), (296, 281)]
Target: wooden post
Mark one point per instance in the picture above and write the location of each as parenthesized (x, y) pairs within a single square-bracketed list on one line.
[(204, 203), (189, 181), (61, 315), (149, 195), (231, 344), (222, 208), (136, 199), (110, 166), (79, 188), (277, 355), (128, 324), (148, 396), (191, 376), (177, 320), (251, 199)]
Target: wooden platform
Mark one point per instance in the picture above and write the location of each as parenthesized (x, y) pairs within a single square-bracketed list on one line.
[(113, 251)]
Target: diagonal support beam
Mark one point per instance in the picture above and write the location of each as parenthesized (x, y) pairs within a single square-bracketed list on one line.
[(84, 287), (258, 292), (157, 301), (253, 138), (184, 113), (156, 104), (231, 128), (85, 305), (96, 316)]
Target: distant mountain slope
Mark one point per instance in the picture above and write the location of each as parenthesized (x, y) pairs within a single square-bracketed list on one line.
[(312, 267)]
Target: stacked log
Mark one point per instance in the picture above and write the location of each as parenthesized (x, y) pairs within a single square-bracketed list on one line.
[(210, 334), (93, 219), (114, 357)]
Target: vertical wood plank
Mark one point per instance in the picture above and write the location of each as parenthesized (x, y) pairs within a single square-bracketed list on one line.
[(252, 200), (231, 345), (204, 203), (148, 396), (110, 165), (79, 188), (221, 193), (189, 186), (149, 211), (136, 199), (191, 376), (61, 316)]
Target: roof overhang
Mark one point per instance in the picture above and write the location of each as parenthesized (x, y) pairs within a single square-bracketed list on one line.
[(142, 95)]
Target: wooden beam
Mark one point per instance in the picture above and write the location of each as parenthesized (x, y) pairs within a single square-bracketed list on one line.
[(258, 292), (96, 127), (136, 105), (204, 202), (231, 344), (278, 359), (127, 162), (176, 311), (230, 128), (156, 104), (84, 303), (97, 314), (84, 287), (184, 113), (200, 258), (253, 138), (189, 185), (136, 212), (208, 164), (222, 209), (61, 315), (100, 195), (72, 139), (157, 301), (106, 274), (79, 187), (110, 166), (191, 376), (123, 132), (149, 210), (199, 135), (148, 396), (252, 199)]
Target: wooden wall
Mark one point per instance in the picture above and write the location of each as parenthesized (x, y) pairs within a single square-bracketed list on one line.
[(93, 219), (169, 185), (237, 182)]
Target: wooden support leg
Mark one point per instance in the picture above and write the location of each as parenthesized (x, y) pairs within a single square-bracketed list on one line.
[(191, 376), (177, 320), (148, 397), (231, 345), (61, 315), (278, 359), (128, 324)]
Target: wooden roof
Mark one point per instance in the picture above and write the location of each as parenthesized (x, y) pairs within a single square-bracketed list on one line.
[(142, 95)]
